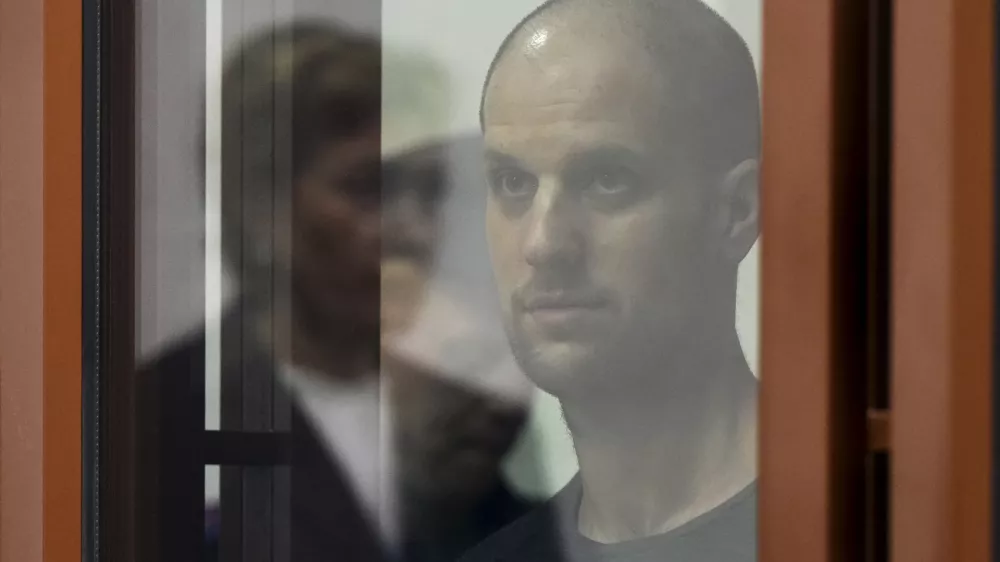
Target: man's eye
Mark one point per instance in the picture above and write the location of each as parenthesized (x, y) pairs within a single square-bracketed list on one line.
[(613, 182), (512, 183)]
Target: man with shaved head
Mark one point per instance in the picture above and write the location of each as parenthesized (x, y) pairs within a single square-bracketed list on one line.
[(622, 141)]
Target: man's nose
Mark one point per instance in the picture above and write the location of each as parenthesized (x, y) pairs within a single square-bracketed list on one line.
[(553, 235)]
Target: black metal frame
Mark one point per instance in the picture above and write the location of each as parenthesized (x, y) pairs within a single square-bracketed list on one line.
[(90, 275), (880, 34), (110, 486), (145, 445)]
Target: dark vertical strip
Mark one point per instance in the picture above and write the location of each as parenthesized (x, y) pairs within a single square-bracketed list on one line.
[(180, 396), (90, 275), (852, 273), (231, 211), (878, 507), (231, 510), (879, 182), (257, 514), (281, 517), (258, 338), (258, 186), (115, 390), (879, 231), (281, 221), (282, 514)]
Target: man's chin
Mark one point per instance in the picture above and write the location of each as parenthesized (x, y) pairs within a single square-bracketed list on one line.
[(552, 366)]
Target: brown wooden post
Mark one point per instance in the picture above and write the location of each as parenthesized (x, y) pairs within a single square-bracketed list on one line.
[(942, 281), (814, 247), (40, 282)]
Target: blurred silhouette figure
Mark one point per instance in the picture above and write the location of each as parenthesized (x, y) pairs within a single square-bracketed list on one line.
[(393, 448), (452, 421), (301, 216), (621, 146)]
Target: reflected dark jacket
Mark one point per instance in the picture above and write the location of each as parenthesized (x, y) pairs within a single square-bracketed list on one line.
[(282, 497)]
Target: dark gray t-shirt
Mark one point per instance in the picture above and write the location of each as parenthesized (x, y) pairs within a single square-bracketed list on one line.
[(728, 533)]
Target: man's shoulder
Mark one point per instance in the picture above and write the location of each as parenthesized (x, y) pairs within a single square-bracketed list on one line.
[(726, 533)]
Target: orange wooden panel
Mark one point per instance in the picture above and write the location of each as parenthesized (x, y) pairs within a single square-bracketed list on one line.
[(63, 309), (942, 282), (21, 267), (40, 280), (813, 390)]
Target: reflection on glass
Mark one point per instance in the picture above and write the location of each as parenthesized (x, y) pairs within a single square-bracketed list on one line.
[(395, 229)]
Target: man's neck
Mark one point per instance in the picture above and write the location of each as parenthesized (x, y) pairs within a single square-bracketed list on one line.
[(653, 463)]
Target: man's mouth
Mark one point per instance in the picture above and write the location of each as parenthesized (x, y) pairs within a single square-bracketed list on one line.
[(564, 300), (563, 309)]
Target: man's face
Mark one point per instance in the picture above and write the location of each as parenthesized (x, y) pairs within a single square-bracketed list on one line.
[(413, 186), (337, 233), (596, 215), (364, 233)]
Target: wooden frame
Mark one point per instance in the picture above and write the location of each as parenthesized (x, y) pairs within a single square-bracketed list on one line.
[(943, 265), (40, 280), (816, 332), (815, 354), (940, 283)]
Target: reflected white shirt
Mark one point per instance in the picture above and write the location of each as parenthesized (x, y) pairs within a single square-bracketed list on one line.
[(354, 429), (354, 421)]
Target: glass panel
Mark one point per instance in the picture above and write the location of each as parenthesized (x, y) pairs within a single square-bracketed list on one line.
[(620, 208), (410, 272)]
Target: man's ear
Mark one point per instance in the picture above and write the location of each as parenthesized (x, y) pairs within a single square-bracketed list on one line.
[(740, 209)]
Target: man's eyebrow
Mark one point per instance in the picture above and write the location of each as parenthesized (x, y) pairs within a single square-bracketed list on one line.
[(501, 158)]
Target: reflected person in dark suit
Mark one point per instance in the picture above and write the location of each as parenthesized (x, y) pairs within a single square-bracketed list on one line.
[(390, 456), (455, 398)]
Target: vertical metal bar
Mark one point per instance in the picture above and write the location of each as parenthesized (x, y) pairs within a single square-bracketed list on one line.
[(281, 521), (879, 49), (231, 213), (258, 187), (120, 392), (179, 32)]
